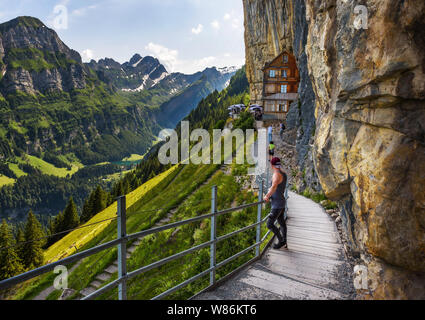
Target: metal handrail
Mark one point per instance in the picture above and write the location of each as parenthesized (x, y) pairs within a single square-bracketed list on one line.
[(123, 238)]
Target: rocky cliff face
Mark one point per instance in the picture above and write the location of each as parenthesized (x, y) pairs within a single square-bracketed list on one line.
[(369, 144), (270, 28), (34, 59)]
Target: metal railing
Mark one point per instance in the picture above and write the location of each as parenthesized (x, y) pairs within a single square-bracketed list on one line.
[(123, 238)]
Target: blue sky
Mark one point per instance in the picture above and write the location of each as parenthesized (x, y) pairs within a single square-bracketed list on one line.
[(186, 35)]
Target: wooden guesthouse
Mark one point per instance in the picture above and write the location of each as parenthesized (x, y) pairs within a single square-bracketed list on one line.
[(280, 86)]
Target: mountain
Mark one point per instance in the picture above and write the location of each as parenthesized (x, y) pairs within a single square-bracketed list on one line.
[(33, 59), (51, 101), (176, 94), (135, 75), (141, 73), (59, 115), (174, 110), (174, 193)]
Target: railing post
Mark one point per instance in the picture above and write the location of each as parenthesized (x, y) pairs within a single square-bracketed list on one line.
[(122, 248), (213, 246), (259, 212), (285, 216), (267, 176)]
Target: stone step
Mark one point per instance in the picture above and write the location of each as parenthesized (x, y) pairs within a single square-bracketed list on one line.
[(111, 269), (96, 284), (132, 249), (87, 291), (103, 277)]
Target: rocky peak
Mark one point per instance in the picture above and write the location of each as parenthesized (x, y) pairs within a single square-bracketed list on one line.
[(105, 63), (137, 74), (135, 60), (36, 60), (29, 32)]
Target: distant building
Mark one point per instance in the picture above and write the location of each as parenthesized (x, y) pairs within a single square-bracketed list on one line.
[(280, 85)]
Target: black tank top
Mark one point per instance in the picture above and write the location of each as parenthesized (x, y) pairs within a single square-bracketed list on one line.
[(278, 198)]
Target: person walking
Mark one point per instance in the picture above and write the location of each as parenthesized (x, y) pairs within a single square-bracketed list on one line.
[(278, 203), (270, 132), (282, 129), (271, 150)]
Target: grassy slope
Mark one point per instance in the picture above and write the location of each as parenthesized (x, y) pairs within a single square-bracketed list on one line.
[(134, 157), (6, 180), (90, 236), (15, 168), (161, 245), (43, 166), (81, 237), (188, 190), (50, 169)]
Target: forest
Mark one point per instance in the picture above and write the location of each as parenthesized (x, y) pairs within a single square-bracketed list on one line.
[(211, 113)]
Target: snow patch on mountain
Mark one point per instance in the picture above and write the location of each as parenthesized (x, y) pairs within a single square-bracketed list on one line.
[(161, 77), (137, 63)]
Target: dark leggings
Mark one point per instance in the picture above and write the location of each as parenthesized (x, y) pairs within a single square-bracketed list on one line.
[(277, 214)]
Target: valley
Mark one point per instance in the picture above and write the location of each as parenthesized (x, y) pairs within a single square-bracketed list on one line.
[(339, 87), (173, 194), (59, 115)]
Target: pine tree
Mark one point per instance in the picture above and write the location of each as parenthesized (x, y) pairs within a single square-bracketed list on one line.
[(32, 249), (10, 264), (20, 239), (86, 212), (126, 186), (56, 225), (70, 216), (110, 199), (99, 201)]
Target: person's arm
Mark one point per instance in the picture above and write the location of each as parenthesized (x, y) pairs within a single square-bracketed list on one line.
[(275, 184)]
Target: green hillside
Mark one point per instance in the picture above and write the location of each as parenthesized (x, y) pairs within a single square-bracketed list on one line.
[(59, 115), (182, 192)]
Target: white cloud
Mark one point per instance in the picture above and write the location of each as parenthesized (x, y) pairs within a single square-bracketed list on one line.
[(168, 57), (87, 55), (237, 24), (215, 24), (204, 62), (83, 11), (198, 29), (234, 19)]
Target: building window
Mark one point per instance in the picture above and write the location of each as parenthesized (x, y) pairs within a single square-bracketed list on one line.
[(272, 73), (284, 88), (284, 73), (285, 106), (285, 58)]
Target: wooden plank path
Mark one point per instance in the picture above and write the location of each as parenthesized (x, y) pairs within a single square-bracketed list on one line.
[(313, 266)]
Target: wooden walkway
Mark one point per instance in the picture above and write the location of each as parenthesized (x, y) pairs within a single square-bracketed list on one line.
[(313, 266)]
